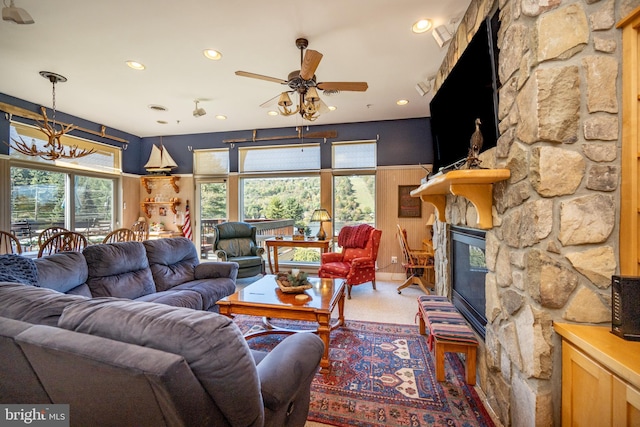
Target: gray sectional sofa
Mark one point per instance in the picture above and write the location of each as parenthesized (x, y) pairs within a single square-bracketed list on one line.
[(165, 271), (127, 334), (121, 362)]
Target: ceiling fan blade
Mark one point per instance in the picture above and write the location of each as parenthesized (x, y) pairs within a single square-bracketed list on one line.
[(344, 86), (271, 102), (260, 77), (310, 64)]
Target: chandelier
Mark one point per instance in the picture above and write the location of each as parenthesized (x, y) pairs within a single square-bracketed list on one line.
[(54, 149)]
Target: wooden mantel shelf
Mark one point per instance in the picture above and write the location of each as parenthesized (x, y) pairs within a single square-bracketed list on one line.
[(476, 185)]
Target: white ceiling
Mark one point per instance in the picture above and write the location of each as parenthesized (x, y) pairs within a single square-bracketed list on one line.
[(89, 41)]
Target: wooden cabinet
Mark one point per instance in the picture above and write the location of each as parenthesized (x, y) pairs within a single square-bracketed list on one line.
[(600, 377), (629, 188)]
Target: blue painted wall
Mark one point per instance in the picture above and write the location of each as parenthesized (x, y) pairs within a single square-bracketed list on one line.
[(400, 142)]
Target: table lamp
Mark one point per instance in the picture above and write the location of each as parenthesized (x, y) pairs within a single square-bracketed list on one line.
[(321, 215)]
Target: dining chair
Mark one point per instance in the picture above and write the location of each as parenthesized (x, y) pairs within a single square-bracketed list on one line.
[(141, 230), (9, 244), (48, 232), (63, 242), (416, 263), (120, 235)]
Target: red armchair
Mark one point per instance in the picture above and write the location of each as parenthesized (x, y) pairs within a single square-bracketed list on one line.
[(357, 261)]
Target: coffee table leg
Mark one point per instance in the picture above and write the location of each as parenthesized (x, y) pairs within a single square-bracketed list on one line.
[(324, 331)]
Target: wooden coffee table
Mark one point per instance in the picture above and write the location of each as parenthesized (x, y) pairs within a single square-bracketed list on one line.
[(264, 298)]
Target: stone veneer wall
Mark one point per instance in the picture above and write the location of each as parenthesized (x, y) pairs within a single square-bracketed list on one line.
[(554, 244)]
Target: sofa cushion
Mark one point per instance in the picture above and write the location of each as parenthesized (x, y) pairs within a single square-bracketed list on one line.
[(62, 271), (212, 345), (210, 292), (119, 269), (33, 305), (177, 298), (172, 261), (16, 268)]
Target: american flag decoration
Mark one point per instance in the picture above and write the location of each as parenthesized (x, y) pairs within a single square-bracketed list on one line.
[(186, 228)]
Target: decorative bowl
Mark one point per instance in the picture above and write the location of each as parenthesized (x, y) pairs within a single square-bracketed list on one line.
[(291, 284)]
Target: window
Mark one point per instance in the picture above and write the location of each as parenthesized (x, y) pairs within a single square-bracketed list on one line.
[(280, 189), (93, 206), (354, 200), (40, 199), (213, 210), (211, 162), (297, 157), (105, 159), (354, 183)]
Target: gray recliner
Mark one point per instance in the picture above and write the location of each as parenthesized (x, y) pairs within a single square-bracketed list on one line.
[(236, 241)]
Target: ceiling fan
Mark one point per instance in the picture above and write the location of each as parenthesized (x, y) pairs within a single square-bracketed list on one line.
[(303, 82)]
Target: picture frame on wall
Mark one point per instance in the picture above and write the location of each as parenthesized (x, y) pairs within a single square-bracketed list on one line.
[(408, 207)]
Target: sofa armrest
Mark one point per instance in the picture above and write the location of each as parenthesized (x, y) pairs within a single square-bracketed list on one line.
[(331, 257), (288, 368), (214, 270)]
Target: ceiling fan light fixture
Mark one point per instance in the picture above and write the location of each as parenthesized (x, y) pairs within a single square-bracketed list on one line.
[(16, 14), (312, 95), (285, 100)]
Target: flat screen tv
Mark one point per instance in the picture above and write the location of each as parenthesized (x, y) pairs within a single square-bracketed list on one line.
[(469, 92)]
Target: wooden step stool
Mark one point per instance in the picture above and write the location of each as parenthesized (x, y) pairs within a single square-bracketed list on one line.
[(448, 332)]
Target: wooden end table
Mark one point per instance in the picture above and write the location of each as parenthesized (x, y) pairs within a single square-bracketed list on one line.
[(264, 298), (289, 242)]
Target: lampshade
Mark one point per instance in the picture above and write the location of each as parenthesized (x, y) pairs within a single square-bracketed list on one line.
[(320, 215)]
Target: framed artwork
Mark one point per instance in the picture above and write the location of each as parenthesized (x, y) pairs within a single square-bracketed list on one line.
[(408, 207)]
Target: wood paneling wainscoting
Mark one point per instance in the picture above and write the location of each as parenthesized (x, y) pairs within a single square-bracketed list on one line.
[(387, 181)]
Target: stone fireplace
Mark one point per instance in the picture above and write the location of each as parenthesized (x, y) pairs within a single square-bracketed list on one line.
[(553, 242)]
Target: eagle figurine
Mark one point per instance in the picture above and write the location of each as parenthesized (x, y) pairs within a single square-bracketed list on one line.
[(475, 146)]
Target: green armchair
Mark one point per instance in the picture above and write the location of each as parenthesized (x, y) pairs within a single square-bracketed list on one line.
[(236, 242)]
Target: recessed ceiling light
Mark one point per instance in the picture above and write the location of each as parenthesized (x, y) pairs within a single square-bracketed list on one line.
[(135, 65), (163, 122), (421, 26), (156, 107), (212, 54), (272, 113), (332, 108), (402, 102), (221, 117)]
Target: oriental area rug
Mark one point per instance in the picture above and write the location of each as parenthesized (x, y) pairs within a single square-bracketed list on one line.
[(382, 375)]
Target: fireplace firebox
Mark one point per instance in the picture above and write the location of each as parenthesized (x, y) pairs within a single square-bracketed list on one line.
[(468, 271)]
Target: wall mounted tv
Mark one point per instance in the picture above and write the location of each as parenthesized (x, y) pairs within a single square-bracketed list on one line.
[(469, 92)]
